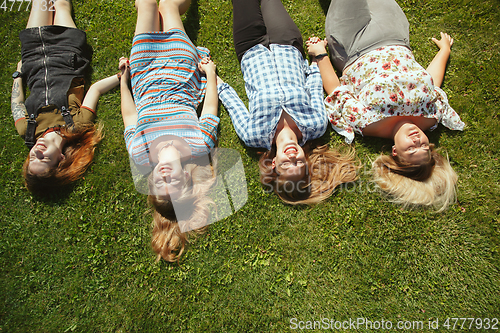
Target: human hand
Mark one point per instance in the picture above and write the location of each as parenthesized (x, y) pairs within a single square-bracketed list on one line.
[(316, 46), (207, 66), (124, 68), (19, 65), (445, 42)]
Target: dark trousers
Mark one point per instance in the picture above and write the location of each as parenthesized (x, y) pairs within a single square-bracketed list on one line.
[(263, 22)]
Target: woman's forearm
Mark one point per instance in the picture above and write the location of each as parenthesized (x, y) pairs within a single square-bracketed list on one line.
[(211, 103), (328, 75), (128, 109), (437, 66), (99, 88), (17, 100)]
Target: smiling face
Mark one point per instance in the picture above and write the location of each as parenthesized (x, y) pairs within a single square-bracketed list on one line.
[(46, 154), (169, 177), (168, 180), (290, 162), (411, 145)]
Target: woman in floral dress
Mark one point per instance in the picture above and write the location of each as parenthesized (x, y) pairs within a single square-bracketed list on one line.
[(384, 92)]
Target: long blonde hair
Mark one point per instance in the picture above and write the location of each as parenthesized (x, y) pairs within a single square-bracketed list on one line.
[(326, 169), (430, 185), (167, 240), (79, 148)]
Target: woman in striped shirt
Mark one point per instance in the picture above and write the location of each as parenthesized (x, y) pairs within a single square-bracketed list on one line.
[(169, 78)]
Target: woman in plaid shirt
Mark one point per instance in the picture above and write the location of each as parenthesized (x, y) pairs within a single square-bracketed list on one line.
[(286, 106)]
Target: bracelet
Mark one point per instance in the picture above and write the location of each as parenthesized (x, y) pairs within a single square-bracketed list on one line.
[(119, 76), (320, 56)]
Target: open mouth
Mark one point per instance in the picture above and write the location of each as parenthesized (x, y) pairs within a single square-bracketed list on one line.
[(165, 169), (41, 146), (413, 133), (291, 150)]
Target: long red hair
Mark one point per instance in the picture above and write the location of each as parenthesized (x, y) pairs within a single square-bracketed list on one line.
[(79, 147)]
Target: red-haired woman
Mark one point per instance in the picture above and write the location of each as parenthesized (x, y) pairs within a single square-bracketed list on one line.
[(57, 118)]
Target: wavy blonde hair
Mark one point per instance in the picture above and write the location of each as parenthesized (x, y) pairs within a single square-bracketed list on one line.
[(167, 240), (79, 148), (326, 169), (432, 184)]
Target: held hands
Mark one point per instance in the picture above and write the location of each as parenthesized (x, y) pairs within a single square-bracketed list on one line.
[(445, 42), (206, 66), (124, 68), (316, 46)]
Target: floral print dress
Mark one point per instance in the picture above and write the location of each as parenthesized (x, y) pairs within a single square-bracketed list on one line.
[(383, 83)]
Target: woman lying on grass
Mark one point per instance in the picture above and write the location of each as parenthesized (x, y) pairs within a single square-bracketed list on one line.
[(384, 92), (169, 78), (54, 122), (286, 106)]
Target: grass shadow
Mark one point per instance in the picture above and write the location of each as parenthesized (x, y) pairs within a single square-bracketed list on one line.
[(192, 21), (324, 5), (56, 197), (374, 144)]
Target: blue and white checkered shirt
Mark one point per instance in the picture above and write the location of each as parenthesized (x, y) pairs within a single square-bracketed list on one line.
[(276, 79)]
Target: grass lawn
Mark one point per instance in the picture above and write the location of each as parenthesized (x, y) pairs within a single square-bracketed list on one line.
[(82, 261)]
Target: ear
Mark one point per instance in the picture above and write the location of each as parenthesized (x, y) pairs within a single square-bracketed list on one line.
[(273, 163), (62, 157), (394, 152)]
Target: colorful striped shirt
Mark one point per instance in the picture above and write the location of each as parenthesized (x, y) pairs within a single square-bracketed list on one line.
[(167, 88)]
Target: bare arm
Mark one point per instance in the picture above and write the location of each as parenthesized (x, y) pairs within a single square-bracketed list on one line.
[(437, 66), (99, 88), (315, 46), (129, 112), (211, 103), (17, 98)]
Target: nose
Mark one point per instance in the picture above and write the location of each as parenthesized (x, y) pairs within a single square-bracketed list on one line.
[(167, 178), (39, 154), (293, 170)]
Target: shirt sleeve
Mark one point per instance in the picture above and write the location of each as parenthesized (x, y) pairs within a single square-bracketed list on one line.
[(237, 110), (84, 115), (128, 134), (21, 126), (314, 87), (448, 116), (208, 126), (343, 108)]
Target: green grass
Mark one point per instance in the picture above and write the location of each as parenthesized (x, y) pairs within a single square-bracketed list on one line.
[(82, 262)]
